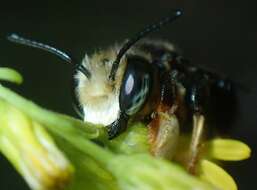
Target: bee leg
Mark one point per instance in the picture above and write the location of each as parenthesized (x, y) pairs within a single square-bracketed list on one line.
[(196, 97), (164, 134), (164, 128), (118, 126), (195, 145)]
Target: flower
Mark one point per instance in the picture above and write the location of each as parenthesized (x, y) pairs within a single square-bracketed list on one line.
[(221, 150), (212, 152), (32, 150)]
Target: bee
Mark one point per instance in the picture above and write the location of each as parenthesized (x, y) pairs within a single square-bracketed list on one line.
[(144, 80)]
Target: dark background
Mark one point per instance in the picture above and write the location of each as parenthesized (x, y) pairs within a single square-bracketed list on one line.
[(220, 35)]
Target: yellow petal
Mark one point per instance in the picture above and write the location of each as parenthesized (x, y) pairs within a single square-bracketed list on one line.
[(228, 149), (32, 150), (215, 175)]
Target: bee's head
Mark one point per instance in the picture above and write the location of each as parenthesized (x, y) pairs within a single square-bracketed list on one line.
[(102, 100)]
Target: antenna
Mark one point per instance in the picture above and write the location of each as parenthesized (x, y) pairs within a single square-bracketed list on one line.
[(149, 29), (64, 56)]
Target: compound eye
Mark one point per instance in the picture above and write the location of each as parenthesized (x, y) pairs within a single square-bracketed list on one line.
[(136, 85)]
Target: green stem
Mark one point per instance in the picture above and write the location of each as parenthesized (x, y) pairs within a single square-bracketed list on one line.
[(95, 151), (73, 131), (57, 123)]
